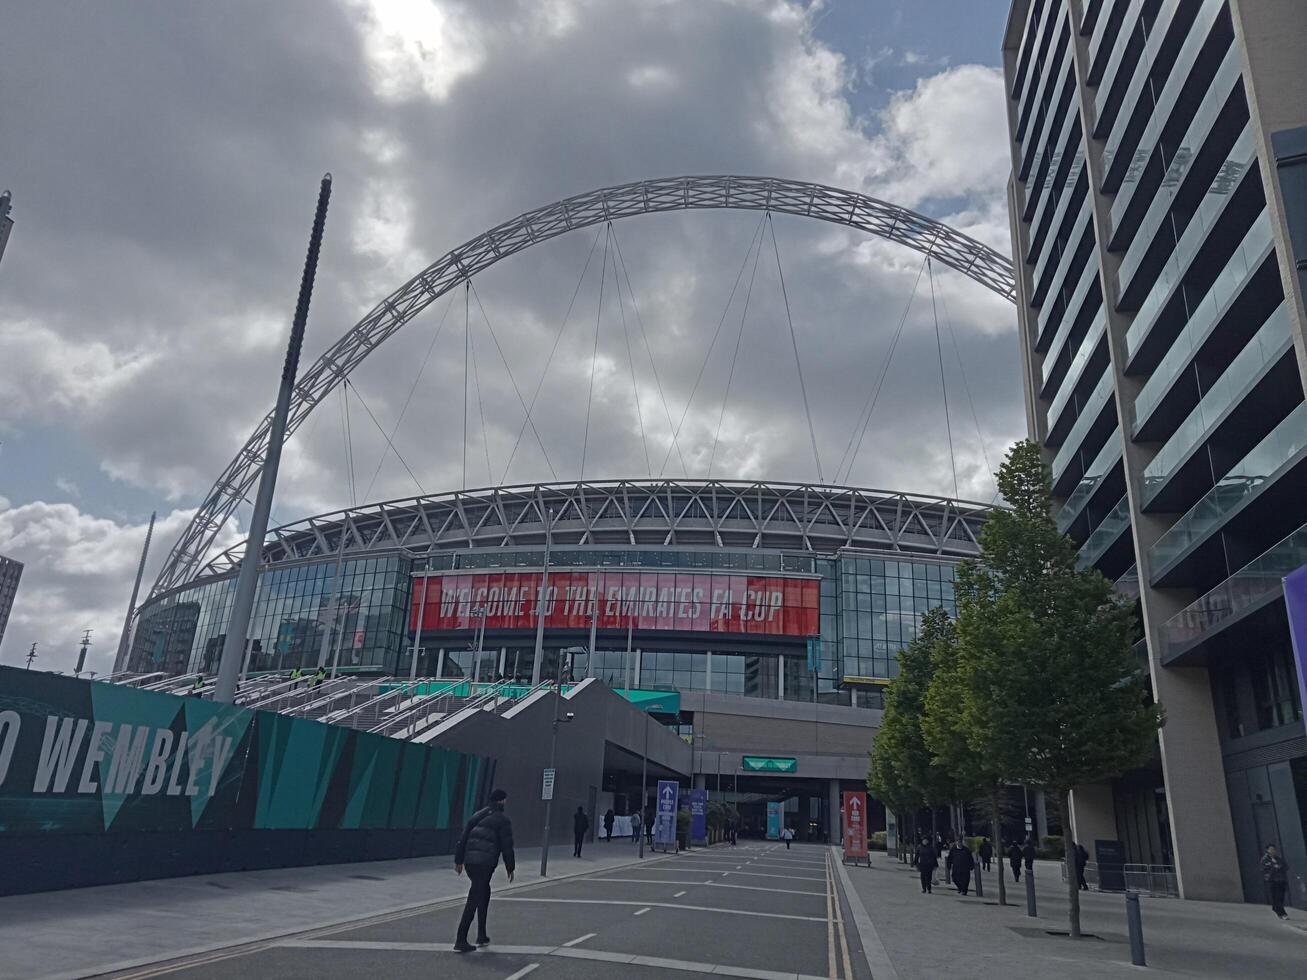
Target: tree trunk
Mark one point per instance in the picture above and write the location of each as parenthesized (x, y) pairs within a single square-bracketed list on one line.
[(1068, 861), (996, 838)]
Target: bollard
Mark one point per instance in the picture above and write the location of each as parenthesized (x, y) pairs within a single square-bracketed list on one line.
[(1135, 924), (1030, 893), (980, 888)]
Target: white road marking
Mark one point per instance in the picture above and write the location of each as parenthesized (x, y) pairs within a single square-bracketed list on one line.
[(688, 966), (759, 874), (678, 894), (522, 972), (642, 911), (663, 905), (873, 949), (580, 939), (712, 883)]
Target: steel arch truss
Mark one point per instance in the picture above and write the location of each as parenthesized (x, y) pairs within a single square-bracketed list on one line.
[(626, 513), (843, 207)]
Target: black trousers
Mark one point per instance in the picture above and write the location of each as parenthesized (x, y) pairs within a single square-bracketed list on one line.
[(577, 841), (1016, 872), (926, 875), (478, 901), (1080, 879), (1277, 889)]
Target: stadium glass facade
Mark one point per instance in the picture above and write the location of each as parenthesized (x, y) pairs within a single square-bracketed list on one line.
[(863, 599)]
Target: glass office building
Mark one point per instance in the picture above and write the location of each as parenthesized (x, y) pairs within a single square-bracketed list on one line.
[(1158, 205)]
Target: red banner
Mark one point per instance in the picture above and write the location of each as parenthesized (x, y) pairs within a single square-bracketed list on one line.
[(855, 825), (699, 602)]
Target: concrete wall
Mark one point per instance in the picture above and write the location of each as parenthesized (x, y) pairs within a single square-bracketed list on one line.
[(519, 741)]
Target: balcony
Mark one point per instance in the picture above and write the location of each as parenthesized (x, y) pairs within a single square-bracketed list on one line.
[(1281, 451), (1253, 587), (1107, 534)]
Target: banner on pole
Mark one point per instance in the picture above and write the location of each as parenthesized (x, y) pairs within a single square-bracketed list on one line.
[(698, 814), (669, 792), (774, 821), (855, 826), (1295, 600)]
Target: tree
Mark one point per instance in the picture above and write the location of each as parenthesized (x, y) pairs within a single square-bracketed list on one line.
[(944, 728), (903, 773), (1052, 693)]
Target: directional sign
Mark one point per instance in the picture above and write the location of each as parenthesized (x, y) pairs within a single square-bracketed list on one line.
[(669, 794), (547, 788), (767, 763), (698, 814), (775, 815), (855, 826)]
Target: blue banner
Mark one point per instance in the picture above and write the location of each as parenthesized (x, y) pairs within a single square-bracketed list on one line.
[(669, 792), (1295, 600), (774, 816), (698, 814), (814, 654)]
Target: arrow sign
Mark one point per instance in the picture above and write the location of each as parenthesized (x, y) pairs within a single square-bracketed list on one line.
[(855, 826), (669, 792)]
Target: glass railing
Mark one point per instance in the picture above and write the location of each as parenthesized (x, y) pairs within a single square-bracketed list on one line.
[(1127, 586), (1246, 479), (1041, 41), (1241, 158), (1106, 534), (1255, 583), (1068, 141), (1088, 345), (1182, 164), (1269, 344), (1164, 102), (1129, 25), (1094, 405), (1046, 310), (1246, 260), (1103, 464), (1063, 396), (1070, 313), (1043, 279), (1061, 142), (1058, 80), (1100, 32)]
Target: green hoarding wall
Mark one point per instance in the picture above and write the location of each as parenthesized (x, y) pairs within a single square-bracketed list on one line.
[(102, 783)]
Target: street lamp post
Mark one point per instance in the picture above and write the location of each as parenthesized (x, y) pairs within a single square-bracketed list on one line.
[(559, 719), (481, 636), (644, 781)]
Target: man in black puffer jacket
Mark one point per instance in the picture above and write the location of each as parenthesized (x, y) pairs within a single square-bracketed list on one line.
[(487, 837)]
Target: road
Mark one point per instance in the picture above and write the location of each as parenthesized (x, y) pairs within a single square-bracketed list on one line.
[(756, 910)]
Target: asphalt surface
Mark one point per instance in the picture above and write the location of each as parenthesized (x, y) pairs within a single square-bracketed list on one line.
[(755, 910)]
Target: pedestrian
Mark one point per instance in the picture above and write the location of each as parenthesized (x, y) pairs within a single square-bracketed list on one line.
[(580, 824), (949, 848), (1028, 854), (986, 853), (1014, 859), (609, 817), (962, 863), (635, 826), (787, 835), (1275, 872), (487, 837), (320, 676), (648, 826), (1082, 858), (927, 861)]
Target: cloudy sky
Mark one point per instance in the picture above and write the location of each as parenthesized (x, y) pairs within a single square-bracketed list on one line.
[(164, 160)]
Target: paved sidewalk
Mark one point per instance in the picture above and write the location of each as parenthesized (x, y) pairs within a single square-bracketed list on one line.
[(88, 931), (944, 934)]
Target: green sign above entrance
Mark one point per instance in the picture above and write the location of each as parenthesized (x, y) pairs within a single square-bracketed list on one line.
[(654, 702), (767, 763)]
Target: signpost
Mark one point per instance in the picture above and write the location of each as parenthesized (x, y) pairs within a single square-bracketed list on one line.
[(767, 763), (669, 793), (774, 821), (547, 788), (699, 815), (855, 828)]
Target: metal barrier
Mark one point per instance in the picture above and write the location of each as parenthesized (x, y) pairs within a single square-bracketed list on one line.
[(1155, 880)]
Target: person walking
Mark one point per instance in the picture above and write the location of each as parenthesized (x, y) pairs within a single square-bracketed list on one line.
[(1028, 854), (487, 837), (580, 824), (1275, 872), (648, 827), (962, 863), (1082, 858), (1014, 859), (949, 848), (609, 817), (635, 826), (927, 861), (787, 835), (986, 854)]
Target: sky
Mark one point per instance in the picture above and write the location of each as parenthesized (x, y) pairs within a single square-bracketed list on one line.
[(164, 160)]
